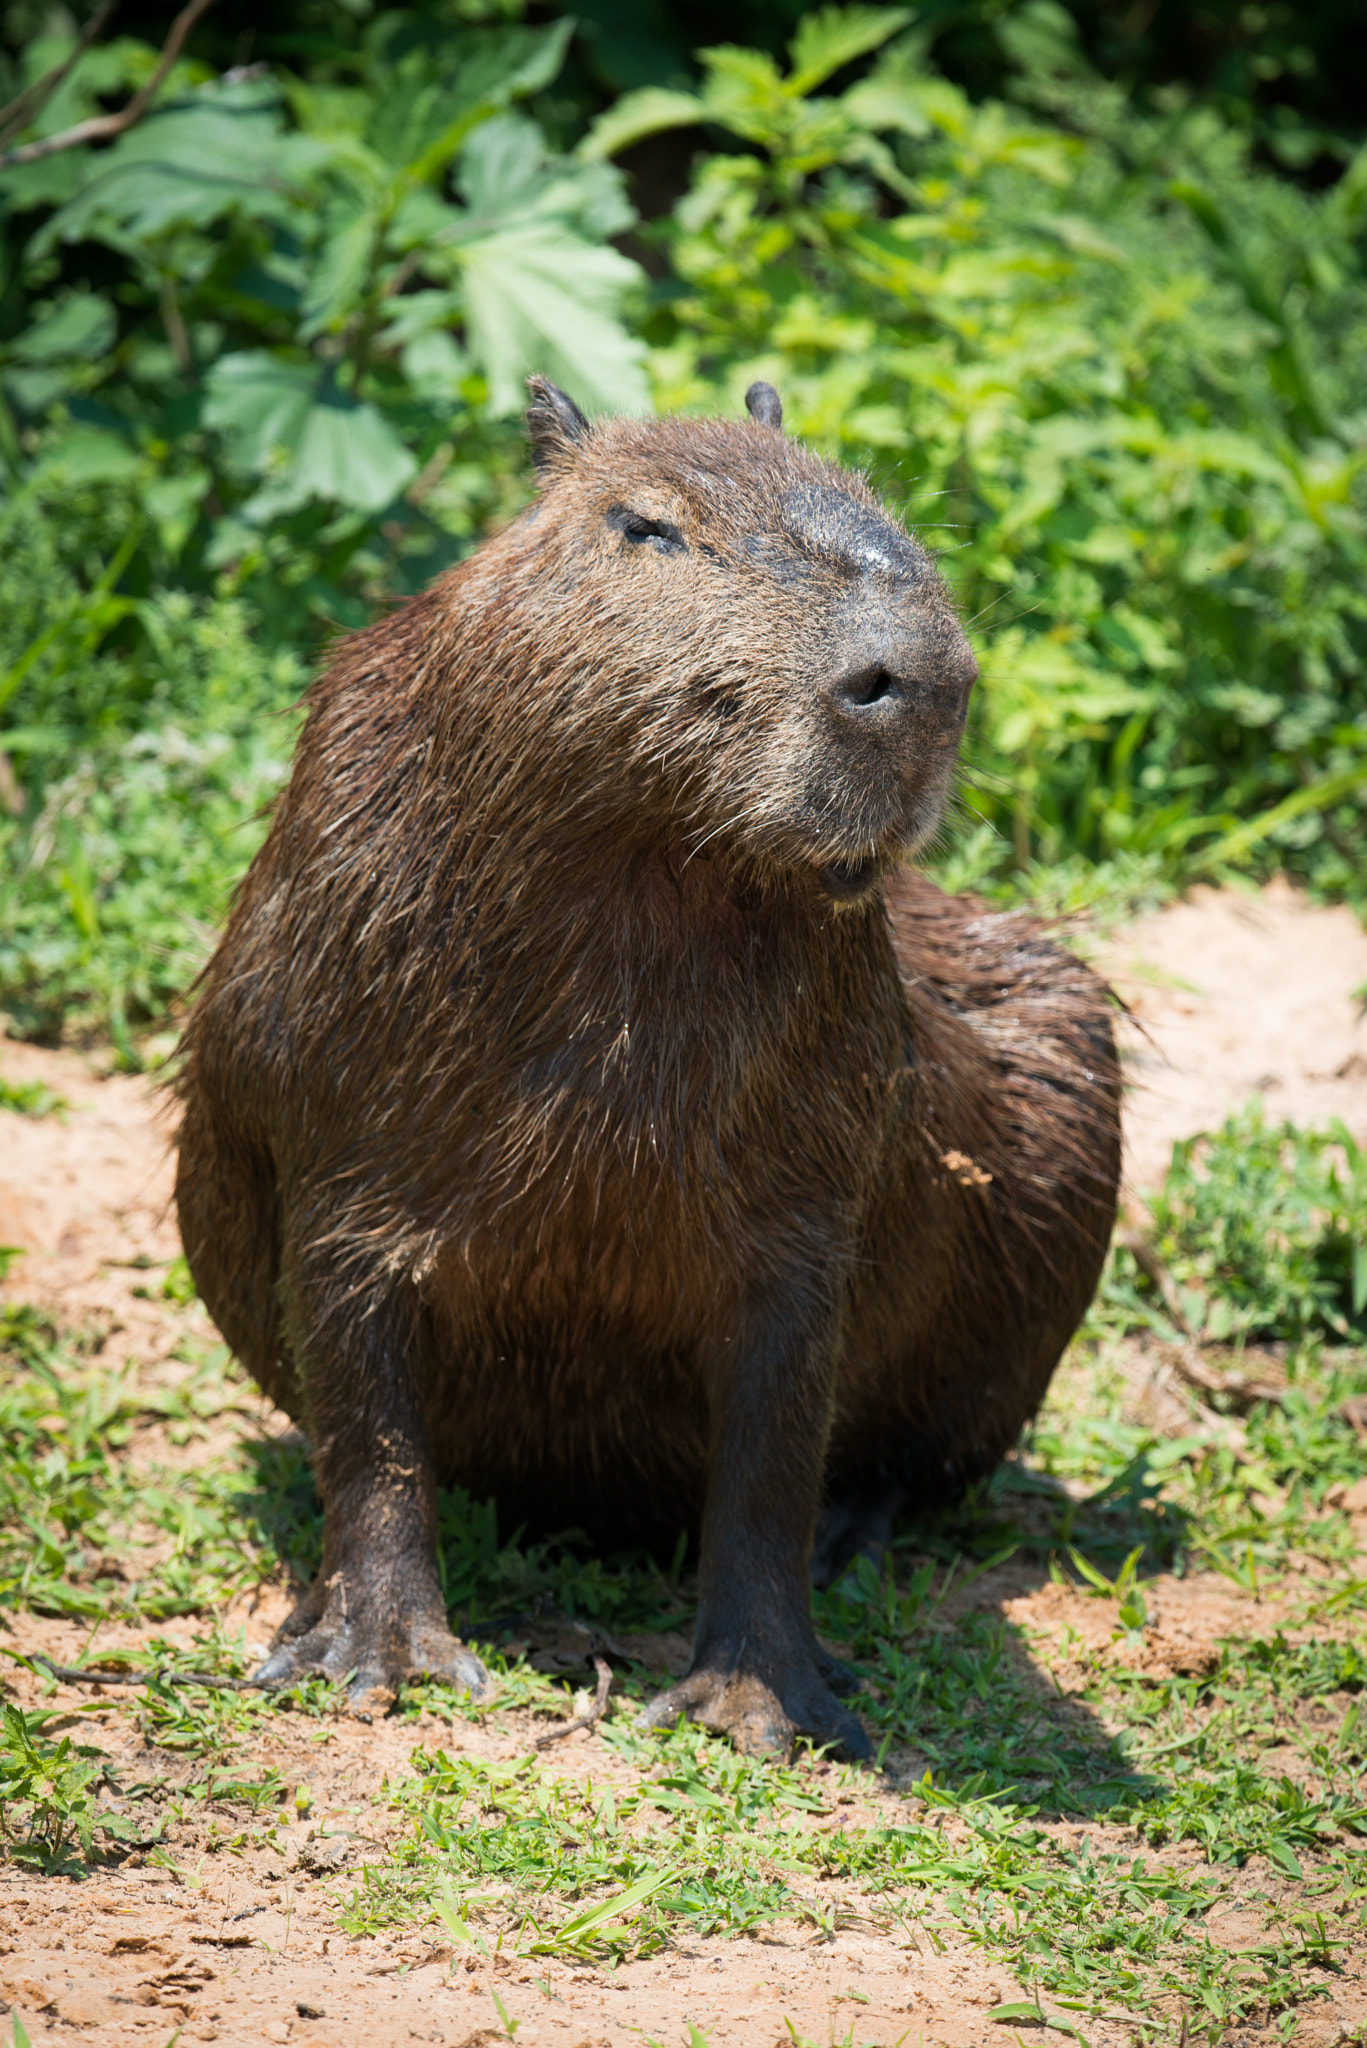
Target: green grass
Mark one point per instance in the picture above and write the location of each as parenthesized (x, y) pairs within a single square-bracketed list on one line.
[(1081, 1835)]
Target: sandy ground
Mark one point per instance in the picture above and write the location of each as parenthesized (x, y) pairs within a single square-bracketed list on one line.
[(1228, 994), (1232, 995)]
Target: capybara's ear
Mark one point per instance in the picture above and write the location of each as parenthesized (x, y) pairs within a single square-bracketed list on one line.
[(765, 407), (554, 422)]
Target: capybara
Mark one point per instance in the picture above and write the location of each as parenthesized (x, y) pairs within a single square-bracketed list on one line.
[(588, 1106)]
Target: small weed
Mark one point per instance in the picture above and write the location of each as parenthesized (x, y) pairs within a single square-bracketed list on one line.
[(31, 1098), (1263, 1229), (178, 1285), (48, 1795), (509, 2025)]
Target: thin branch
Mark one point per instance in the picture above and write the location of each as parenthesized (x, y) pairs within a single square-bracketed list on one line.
[(104, 127), (594, 1714), (23, 111), (75, 1674)]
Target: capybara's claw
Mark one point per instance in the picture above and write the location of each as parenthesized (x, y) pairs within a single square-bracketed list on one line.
[(751, 1713), (372, 1673), (436, 1653), (278, 1670)]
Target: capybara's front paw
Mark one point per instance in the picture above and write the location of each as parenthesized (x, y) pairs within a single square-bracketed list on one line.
[(758, 1720), (372, 1658)]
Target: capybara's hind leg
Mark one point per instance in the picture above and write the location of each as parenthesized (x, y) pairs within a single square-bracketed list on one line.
[(855, 1521), (375, 1615), (989, 1237)]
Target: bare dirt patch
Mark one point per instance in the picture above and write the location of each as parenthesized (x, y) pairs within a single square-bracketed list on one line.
[(1233, 994)]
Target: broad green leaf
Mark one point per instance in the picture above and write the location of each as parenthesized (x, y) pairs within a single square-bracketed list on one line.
[(835, 36), (260, 401), (218, 150), (90, 455), (887, 102), (638, 114), (505, 172), (537, 298), (1285, 1858), (416, 313), (538, 292), (746, 94), (436, 366), (536, 55), (422, 219), (621, 1902), (503, 168), (77, 326), (342, 267), (499, 70), (172, 503), (347, 453), (308, 443)]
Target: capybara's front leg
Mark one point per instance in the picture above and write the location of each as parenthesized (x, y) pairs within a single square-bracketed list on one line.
[(375, 1614), (757, 1670)]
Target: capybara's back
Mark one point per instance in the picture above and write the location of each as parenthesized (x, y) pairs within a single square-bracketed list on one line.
[(588, 1106)]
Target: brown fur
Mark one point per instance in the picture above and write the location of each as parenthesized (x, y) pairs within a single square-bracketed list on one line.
[(584, 1105)]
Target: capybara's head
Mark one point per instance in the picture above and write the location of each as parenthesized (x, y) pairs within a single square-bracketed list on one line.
[(771, 661)]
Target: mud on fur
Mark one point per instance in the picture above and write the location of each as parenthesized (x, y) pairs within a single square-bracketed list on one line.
[(588, 1106)]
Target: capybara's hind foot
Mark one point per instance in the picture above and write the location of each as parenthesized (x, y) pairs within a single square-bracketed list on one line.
[(372, 1657), (855, 1521), (742, 1706)]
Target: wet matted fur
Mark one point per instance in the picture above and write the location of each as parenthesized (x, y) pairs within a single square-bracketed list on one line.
[(588, 1106)]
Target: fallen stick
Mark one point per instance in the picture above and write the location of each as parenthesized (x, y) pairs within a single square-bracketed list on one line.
[(594, 1714), (76, 1674)]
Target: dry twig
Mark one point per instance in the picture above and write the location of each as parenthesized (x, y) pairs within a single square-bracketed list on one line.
[(594, 1714), (75, 1674), (25, 108), (104, 127)]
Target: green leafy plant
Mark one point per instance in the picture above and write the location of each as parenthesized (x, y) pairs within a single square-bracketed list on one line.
[(48, 1793), (31, 1098), (1121, 371), (1263, 1228), (289, 397)]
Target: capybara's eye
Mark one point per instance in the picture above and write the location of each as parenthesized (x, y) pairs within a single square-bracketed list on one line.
[(636, 528)]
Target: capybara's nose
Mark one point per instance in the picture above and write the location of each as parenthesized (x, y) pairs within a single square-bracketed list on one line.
[(870, 695), (864, 689)]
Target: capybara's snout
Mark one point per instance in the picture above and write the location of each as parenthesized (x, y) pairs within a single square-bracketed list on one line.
[(887, 711)]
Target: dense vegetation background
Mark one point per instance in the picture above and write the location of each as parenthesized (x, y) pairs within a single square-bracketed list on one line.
[(1084, 288)]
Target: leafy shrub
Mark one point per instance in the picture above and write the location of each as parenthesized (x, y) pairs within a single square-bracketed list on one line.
[(260, 361), (48, 1792), (1115, 368), (1264, 1230), (110, 892)]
